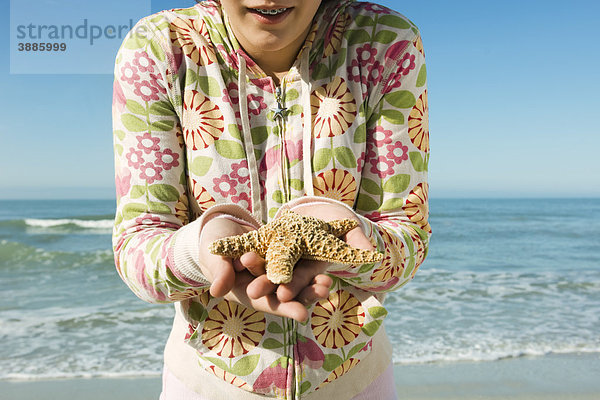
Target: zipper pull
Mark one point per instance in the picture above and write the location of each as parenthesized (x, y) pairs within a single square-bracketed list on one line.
[(280, 111)]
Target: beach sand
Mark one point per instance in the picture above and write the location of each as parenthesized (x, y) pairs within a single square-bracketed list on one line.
[(526, 378)]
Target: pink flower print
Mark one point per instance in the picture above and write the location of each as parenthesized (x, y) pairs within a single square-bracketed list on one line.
[(309, 353), (150, 173), (375, 71), (240, 171), (231, 94), (407, 63), (397, 152), (368, 346), (360, 161), (270, 161), (380, 136), (374, 216), (272, 378), (366, 54), (156, 82), (134, 158), (118, 96), (147, 219), (224, 185), (393, 52), (167, 159), (143, 62), (394, 81), (354, 73), (146, 90), (241, 198), (123, 182), (293, 150), (256, 104), (129, 73), (376, 8), (140, 273), (382, 166), (226, 55), (147, 143)]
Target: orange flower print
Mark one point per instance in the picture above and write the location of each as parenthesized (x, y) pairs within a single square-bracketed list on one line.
[(191, 35), (333, 108), (418, 124), (229, 378), (337, 320), (186, 294), (339, 371), (232, 329), (418, 43), (333, 37), (336, 184), (416, 208), (202, 120), (393, 264), (181, 209), (203, 198)]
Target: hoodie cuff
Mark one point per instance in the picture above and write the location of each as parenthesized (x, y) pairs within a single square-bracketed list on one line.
[(186, 250)]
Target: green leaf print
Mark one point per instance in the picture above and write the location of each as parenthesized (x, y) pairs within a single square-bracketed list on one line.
[(272, 212), (259, 134), (331, 362), (345, 156), (234, 131), (385, 37), (157, 51), (296, 109), (366, 203), (190, 77), (230, 149), (271, 343), (401, 99), (137, 191), (274, 327), (296, 184), (136, 40), (291, 94), (360, 135), (164, 192), (392, 204), (162, 125), (321, 159), (422, 77), (278, 196), (378, 312), (364, 20), (135, 107), (371, 186), (355, 349), (133, 210), (394, 21), (133, 123), (119, 133), (209, 85), (393, 116), (372, 327), (341, 59), (366, 267), (217, 361), (246, 365), (419, 164), (119, 149), (161, 108), (159, 208), (200, 165), (304, 387), (321, 71), (186, 11), (357, 36), (397, 183)]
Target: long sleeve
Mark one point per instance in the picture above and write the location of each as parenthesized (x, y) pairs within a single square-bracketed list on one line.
[(393, 199), (156, 250)]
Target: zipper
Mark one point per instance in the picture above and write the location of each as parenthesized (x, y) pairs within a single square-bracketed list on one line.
[(280, 113)]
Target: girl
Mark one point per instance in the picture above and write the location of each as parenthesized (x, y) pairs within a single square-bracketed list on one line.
[(228, 112)]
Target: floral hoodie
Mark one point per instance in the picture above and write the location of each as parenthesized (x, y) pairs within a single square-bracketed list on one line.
[(200, 129)]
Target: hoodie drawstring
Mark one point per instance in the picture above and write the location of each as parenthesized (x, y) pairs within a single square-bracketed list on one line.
[(307, 124), (248, 144)]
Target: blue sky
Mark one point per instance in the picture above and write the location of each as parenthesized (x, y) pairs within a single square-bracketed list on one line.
[(513, 94)]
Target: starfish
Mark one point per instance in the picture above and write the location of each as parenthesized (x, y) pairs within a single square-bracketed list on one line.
[(283, 241)]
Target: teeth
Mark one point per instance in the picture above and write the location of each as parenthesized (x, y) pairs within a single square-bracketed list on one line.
[(271, 12)]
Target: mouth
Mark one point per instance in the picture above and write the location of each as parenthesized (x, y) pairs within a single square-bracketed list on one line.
[(272, 11), (272, 15)]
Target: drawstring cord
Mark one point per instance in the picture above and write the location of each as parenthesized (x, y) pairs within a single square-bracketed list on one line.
[(248, 144), (307, 124)]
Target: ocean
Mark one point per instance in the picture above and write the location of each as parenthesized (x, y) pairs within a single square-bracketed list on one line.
[(504, 278)]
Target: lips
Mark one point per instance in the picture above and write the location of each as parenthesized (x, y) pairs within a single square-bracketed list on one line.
[(270, 15)]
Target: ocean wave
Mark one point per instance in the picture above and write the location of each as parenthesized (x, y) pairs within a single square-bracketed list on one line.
[(19, 255), (70, 222), (79, 374)]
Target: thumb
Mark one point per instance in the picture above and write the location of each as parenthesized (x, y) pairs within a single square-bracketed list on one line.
[(223, 277), (356, 238)]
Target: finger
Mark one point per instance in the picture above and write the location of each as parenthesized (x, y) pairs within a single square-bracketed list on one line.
[(224, 277), (253, 263), (260, 287), (356, 238), (311, 294), (237, 265), (304, 273)]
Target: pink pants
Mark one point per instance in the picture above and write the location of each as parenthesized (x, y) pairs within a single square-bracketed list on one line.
[(382, 388)]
